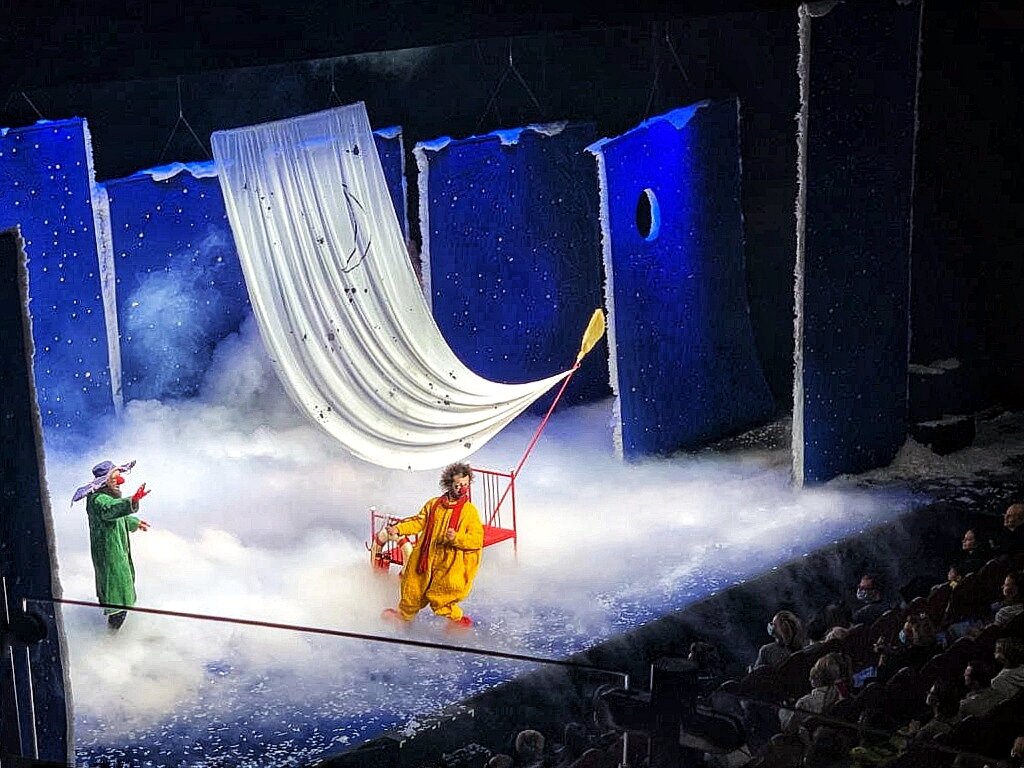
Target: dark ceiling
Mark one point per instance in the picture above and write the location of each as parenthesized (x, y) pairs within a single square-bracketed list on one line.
[(45, 45)]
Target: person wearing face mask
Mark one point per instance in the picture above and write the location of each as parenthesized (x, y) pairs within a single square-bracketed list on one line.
[(446, 556), (788, 637), (870, 605), (916, 644), (111, 520)]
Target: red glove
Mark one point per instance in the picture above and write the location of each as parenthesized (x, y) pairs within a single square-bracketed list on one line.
[(139, 493)]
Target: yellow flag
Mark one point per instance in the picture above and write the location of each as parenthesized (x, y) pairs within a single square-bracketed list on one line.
[(593, 334)]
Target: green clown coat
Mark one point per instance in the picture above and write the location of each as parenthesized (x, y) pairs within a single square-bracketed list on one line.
[(110, 522)]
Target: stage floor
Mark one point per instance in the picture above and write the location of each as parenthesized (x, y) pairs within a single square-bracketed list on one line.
[(257, 515)]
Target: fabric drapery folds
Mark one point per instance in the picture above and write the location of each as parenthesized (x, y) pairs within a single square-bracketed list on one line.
[(338, 303)]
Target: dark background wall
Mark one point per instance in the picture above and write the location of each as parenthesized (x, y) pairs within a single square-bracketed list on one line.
[(968, 270), (118, 69)]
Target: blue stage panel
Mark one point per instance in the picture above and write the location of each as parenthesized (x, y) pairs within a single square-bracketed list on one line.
[(684, 366), (859, 68), (391, 149), (512, 261), (46, 188), (180, 288)]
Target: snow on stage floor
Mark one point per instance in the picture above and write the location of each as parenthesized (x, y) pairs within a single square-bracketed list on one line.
[(256, 514)]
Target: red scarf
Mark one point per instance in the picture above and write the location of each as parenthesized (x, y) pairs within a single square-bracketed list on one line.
[(428, 529)]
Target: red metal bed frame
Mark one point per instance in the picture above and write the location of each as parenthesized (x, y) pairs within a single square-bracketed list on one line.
[(489, 493)]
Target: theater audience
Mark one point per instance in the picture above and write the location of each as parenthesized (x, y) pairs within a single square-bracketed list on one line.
[(575, 741), (710, 671), (870, 604), (833, 623), (824, 677), (973, 553), (1011, 540), (955, 575), (876, 747), (915, 645), (828, 749), (980, 697), (787, 633), (529, 749), (1017, 753), (1012, 605), (1010, 654), (944, 701), (500, 760), (831, 675)]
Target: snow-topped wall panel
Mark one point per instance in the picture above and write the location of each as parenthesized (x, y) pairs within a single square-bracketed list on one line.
[(512, 260), (859, 65), (46, 184), (180, 289), (391, 149), (684, 366)]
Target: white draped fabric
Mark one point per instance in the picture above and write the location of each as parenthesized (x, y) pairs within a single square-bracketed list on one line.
[(337, 301)]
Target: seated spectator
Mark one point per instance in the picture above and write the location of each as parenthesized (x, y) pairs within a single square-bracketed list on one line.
[(980, 697), (705, 656), (833, 617), (1012, 605), (529, 749), (824, 678), (828, 749), (915, 646), (973, 553), (1017, 753), (787, 633), (944, 700), (844, 682), (955, 575), (1010, 654), (710, 673), (876, 747), (575, 742), (1010, 540), (870, 605)]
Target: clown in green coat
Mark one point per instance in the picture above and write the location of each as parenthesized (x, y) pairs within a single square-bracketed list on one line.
[(111, 520)]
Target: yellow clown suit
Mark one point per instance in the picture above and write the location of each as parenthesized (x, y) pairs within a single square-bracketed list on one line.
[(439, 571)]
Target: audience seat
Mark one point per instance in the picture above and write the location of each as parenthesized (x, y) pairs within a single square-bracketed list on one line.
[(857, 645), (794, 671), (887, 626), (992, 734), (950, 664), (903, 700), (991, 577), (760, 683), (937, 601), (968, 601)]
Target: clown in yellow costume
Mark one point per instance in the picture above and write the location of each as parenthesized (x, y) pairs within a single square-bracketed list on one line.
[(444, 561)]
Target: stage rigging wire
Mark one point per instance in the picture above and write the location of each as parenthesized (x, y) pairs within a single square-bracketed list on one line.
[(509, 68), (182, 119)]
